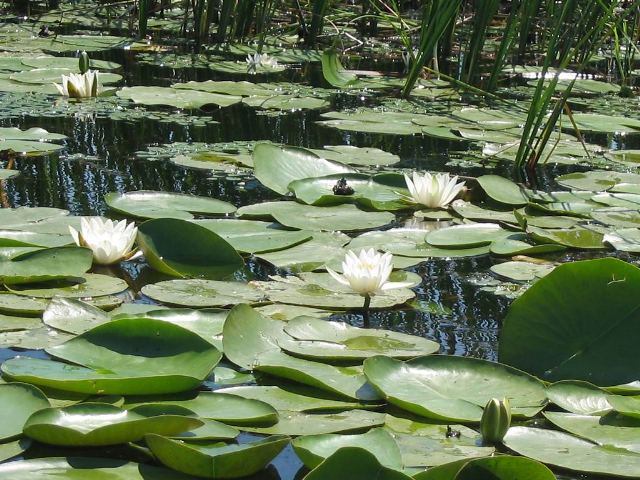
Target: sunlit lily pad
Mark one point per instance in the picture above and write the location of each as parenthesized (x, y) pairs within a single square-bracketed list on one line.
[(321, 339), (299, 423), (223, 407), (323, 248), (98, 424), (90, 285), (356, 464), (73, 315), (566, 451), (499, 467), (216, 460), (148, 204), (184, 99), (49, 75), (307, 217), (466, 236), (184, 249), (453, 388), (45, 265), (301, 399), (522, 271), (250, 236), (276, 166), (579, 397), (19, 401), (125, 356), (596, 180), (357, 156), (314, 449), (577, 237), (87, 468), (203, 293)]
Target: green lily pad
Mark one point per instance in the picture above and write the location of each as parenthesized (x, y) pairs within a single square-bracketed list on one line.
[(6, 174), (52, 75), (91, 285), (323, 248), (409, 242), (577, 323), (504, 191), (474, 212), (592, 122), (99, 424), (516, 245), (500, 467), (35, 134), (218, 460), (320, 339), (250, 236), (202, 293), (10, 323), (522, 271), (211, 430), (427, 445), (314, 449), (13, 449), (46, 264), (629, 406), (183, 249), (579, 397), (183, 99), (356, 464), (466, 236), (18, 304), (357, 156), (624, 239), (86, 468), (320, 290), (610, 430), (148, 204), (299, 400), (276, 167), (72, 315), (566, 451), (596, 180), (123, 357), (577, 237), (66, 62), (300, 423), (453, 388), (620, 217), (222, 407), (19, 401)]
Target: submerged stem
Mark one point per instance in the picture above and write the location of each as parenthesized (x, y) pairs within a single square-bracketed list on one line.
[(365, 314)]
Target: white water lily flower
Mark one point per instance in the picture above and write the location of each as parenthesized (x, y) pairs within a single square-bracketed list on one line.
[(109, 241), (433, 190), (367, 273), (76, 85), (260, 60)]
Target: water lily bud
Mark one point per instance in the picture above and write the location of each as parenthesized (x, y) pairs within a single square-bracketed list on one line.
[(83, 62), (495, 421)]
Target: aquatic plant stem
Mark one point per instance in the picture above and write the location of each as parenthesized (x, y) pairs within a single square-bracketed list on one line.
[(365, 308)]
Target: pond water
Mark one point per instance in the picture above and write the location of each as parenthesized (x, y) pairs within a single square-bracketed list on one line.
[(103, 154)]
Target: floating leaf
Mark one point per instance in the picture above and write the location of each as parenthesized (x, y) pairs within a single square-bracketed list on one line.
[(19, 401), (148, 204)]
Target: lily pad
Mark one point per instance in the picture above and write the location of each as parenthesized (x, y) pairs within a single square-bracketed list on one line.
[(19, 401), (466, 236), (184, 249), (314, 449), (276, 167), (46, 264), (577, 323), (90, 285), (123, 357), (86, 468), (202, 293), (579, 397), (148, 204), (99, 424), (499, 467), (217, 460), (522, 271), (299, 423), (356, 464), (566, 451), (320, 339), (183, 99), (453, 388)]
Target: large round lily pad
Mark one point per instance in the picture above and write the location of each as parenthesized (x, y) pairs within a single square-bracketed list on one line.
[(86, 468), (579, 322), (98, 424), (203, 293), (217, 460), (183, 249), (148, 204), (88, 285), (321, 339), (354, 463), (276, 167), (19, 401), (566, 451), (125, 357), (46, 264), (184, 99), (453, 388)]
